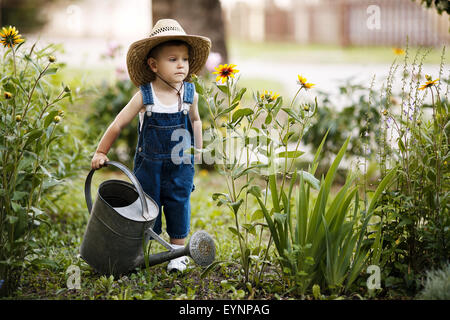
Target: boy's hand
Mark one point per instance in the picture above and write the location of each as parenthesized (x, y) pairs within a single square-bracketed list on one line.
[(98, 160)]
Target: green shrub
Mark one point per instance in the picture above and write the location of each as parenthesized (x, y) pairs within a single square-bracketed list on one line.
[(359, 115), (437, 285), (240, 137), (37, 151), (111, 100), (415, 212)]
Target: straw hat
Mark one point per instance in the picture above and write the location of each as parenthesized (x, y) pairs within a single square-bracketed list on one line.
[(164, 30)]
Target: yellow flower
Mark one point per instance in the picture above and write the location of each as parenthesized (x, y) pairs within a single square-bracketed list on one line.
[(7, 95), (302, 81), (56, 119), (9, 37), (398, 51), (269, 96), (308, 85), (429, 83), (225, 71), (51, 59), (385, 112), (306, 107), (18, 118)]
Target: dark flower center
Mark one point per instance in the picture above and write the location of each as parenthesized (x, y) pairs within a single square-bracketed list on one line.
[(226, 72)]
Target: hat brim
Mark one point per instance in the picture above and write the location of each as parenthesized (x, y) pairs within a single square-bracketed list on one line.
[(138, 69)]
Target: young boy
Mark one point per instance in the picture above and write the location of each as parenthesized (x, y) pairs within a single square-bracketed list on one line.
[(169, 123)]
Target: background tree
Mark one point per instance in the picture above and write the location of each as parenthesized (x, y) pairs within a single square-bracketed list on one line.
[(439, 5), (26, 15), (202, 17)]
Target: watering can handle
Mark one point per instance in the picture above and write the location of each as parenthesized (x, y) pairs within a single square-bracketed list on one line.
[(130, 175)]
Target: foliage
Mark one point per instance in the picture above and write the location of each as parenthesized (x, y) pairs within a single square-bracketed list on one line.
[(325, 246), (26, 14), (437, 285), (358, 115), (111, 100), (247, 143), (36, 154), (415, 213), (440, 5)]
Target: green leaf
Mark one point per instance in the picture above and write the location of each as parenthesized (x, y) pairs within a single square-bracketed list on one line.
[(240, 113), (310, 179), (18, 195), (199, 88), (235, 232), (287, 136), (44, 263), (316, 156), (258, 214), (255, 190), (292, 114), (239, 95), (229, 109), (50, 71), (33, 135), (381, 187), (15, 206), (210, 267), (235, 205), (223, 88), (12, 219), (250, 228), (401, 146), (290, 154), (49, 118)]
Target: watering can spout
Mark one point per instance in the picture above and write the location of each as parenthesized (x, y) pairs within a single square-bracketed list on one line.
[(201, 249)]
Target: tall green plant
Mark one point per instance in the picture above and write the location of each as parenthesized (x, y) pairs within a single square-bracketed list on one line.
[(264, 147), (415, 213), (319, 241), (30, 152)]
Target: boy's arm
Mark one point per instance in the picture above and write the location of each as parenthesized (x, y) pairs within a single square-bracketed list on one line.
[(197, 127), (122, 119)]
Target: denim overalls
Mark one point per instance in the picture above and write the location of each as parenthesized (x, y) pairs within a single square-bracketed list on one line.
[(165, 172)]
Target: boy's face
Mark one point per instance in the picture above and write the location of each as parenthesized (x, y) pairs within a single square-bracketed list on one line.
[(171, 63)]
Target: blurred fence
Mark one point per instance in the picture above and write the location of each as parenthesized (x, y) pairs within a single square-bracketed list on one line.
[(341, 22)]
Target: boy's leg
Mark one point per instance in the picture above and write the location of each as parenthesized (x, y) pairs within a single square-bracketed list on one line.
[(149, 175), (176, 188), (175, 197), (179, 242)]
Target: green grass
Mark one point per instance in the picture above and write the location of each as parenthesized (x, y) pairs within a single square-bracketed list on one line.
[(286, 52), (61, 242)]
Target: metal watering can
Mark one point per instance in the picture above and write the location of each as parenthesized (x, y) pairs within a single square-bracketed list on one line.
[(121, 224)]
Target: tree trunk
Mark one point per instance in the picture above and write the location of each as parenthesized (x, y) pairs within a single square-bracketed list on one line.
[(198, 17)]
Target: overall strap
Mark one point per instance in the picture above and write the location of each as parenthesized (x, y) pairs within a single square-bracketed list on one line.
[(189, 91), (147, 97)]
